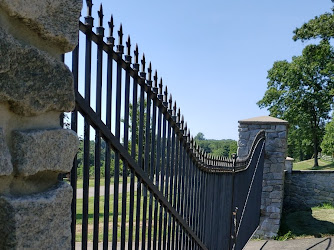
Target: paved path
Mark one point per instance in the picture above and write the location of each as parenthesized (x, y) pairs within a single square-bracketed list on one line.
[(298, 244)]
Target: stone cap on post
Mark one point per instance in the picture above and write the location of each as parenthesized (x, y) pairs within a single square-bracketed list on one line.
[(264, 120)]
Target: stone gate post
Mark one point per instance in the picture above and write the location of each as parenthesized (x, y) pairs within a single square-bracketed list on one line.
[(274, 165), (35, 88)]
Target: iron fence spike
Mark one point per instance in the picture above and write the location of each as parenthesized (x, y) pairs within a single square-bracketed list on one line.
[(111, 25), (179, 115), (89, 7), (155, 79), (174, 109), (136, 52), (165, 94), (120, 35), (160, 87), (170, 102), (100, 14), (149, 70), (128, 45), (143, 63)]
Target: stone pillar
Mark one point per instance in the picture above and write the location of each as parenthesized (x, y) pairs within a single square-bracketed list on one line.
[(35, 88), (289, 164), (274, 165)]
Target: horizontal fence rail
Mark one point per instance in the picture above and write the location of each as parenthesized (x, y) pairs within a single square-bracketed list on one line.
[(140, 180)]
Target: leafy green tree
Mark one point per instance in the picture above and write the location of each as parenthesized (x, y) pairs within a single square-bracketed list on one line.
[(300, 91), (320, 27), (327, 144), (199, 137), (223, 148)]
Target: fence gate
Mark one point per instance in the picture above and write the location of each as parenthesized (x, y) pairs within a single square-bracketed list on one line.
[(139, 179)]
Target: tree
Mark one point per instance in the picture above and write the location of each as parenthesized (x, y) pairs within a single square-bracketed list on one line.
[(319, 27), (327, 144), (199, 137), (300, 91)]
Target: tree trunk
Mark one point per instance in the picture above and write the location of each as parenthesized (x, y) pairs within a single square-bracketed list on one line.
[(315, 142)]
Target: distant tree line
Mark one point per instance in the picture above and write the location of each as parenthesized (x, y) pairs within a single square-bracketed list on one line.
[(223, 147)]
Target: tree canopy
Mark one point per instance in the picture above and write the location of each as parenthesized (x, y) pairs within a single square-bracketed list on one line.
[(223, 148), (319, 27), (301, 91)]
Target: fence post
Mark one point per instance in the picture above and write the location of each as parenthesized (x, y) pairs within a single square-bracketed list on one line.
[(35, 88), (274, 165)]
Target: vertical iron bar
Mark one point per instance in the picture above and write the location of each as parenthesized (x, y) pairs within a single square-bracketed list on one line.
[(157, 175), (197, 200), (232, 235), (168, 176), (186, 193), (88, 53), (117, 134), (74, 127), (172, 170), (204, 192), (140, 158), (191, 198), (163, 162), (133, 147), (153, 162), (179, 192), (183, 179), (126, 140), (147, 157), (110, 42), (176, 181), (100, 34)]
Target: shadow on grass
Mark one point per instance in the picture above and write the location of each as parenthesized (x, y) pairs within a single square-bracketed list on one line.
[(302, 223), (325, 167)]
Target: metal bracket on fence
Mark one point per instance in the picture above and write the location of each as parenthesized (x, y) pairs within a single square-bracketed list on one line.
[(234, 233)]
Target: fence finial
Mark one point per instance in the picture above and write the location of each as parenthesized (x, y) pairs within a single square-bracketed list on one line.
[(143, 63), (160, 86), (120, 35), (174, 109), (89, 7), (185, 129), (128, 45), (165, 94), (170, 101), (178, 116), (111, 26), (136, 54), (182, 122), (155, 79), (149, 70), (100, 14)]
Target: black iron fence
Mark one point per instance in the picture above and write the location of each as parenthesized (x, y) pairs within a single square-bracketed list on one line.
[(153, 187)]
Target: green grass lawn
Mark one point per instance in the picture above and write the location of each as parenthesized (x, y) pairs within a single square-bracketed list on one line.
[(314, 222), (308, 165), (102, 181), (101, 217)]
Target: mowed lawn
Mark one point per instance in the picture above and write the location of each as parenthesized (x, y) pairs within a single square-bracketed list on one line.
[(308, 165), (119, 217)]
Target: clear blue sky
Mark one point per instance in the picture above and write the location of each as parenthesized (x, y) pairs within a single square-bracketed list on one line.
[(214, 55)]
